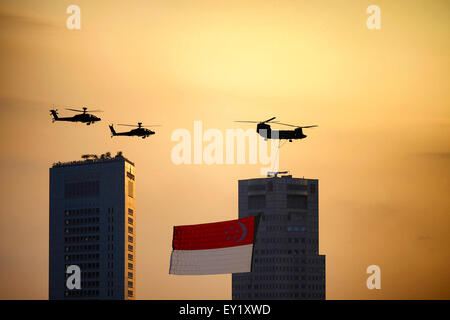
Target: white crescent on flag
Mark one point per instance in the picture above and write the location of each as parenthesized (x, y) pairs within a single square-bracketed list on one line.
[(213, 248)]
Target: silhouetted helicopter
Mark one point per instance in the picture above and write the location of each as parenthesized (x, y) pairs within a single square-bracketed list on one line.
[(82, 117), (140, 131), (264, 130)]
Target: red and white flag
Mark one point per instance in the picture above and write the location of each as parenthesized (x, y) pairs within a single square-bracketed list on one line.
[(213, 248)]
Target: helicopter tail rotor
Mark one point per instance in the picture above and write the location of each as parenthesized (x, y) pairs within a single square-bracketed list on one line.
[(54, 113), (113, 132)]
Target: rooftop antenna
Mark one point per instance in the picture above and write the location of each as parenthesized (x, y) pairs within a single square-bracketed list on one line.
[(274, 174)]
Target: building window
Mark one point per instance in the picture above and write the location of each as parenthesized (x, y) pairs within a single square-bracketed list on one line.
[(130, 257), (312, 188), (130, 229), (130, 293), (81, 189), (130, 211), (130, 266), (130, 220), (296, 187), (256, 202), (130, 275), (130, 248), (130, 175), (130, 189), (130, 239), (256, 187), (130, 284), (295, 201)]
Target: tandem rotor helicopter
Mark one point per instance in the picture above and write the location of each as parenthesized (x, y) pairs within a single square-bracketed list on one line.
[(264, 130), (140, 131), (82, 117)]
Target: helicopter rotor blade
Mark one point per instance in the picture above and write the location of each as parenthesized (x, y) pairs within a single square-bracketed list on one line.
[(137, 126), (246, 121), (269, 120), (285, 124), (291, 125), (133, 125), (76, 110), (84, 110)]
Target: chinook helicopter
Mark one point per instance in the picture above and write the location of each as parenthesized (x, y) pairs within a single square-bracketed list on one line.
[(82, 117), (140, 131), (264, 130)]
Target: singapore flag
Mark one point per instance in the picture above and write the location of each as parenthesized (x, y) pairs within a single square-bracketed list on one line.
[(213, 248)]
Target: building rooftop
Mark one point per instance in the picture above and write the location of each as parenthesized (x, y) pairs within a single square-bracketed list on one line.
[(93, 158), (283, 177)]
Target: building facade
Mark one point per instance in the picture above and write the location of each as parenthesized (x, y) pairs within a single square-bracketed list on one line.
[(92, 225), (286, 261)]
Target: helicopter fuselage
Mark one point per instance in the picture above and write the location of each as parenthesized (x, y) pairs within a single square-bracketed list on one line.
[(266, 132), (139, 132), (82, 117)]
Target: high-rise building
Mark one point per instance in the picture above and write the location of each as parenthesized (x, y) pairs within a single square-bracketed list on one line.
[(93, 226), (286, 261)]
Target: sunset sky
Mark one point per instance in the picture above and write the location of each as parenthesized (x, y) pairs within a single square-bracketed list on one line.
[(381, 152)]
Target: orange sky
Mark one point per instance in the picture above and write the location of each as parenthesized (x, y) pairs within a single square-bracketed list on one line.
[(381, 152)]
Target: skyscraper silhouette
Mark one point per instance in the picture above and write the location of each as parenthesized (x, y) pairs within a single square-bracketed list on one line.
[(286, 260), (92, 225)]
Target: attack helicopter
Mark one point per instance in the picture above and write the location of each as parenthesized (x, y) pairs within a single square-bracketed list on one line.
[(264, 130), (140, 131), (84, 116)]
